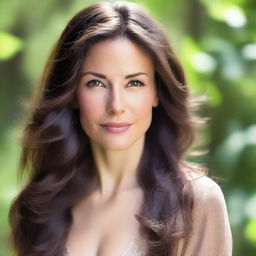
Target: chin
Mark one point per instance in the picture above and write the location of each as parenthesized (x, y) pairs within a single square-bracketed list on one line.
[(115, 146), (118, 143)]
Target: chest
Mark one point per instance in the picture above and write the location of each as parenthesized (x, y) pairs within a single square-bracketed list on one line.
[(106, 229)]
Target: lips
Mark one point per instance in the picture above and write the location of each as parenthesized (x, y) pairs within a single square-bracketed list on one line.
[(116, 127), (116, 124)]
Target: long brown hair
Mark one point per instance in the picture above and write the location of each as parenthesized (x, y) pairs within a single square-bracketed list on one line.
[(56, 151)]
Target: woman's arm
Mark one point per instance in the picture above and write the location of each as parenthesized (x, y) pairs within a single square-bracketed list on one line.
[(211, 229)]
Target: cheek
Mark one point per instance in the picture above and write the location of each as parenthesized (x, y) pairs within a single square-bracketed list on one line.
[(144, 107), (89, 106)]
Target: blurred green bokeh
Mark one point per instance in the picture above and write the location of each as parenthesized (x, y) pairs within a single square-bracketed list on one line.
[(216, 42)]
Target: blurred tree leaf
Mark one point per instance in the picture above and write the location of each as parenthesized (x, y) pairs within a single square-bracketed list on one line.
[(250, 231), (9, 45)]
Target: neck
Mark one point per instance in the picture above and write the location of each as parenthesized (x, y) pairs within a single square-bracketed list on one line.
[(117, 170)]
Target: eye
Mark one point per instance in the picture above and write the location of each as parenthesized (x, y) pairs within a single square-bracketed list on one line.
[(136, 83), (95, 83)]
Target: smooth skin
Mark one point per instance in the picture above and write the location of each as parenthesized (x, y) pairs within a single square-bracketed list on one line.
[(117, 85)]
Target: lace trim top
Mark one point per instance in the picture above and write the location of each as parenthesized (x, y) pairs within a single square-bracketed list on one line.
[(133, 249)]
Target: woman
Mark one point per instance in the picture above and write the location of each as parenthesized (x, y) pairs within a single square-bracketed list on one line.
[(105, 147)]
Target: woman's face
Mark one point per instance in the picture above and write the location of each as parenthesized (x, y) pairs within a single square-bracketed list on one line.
[(116, 89)]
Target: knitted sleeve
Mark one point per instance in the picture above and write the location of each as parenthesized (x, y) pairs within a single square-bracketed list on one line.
[(211, 229)]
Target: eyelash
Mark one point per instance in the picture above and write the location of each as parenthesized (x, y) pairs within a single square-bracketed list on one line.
[(94, 80)]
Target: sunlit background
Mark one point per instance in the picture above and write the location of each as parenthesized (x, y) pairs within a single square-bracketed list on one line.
[(216, 42)]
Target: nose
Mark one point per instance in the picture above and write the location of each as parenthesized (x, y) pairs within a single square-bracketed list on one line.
[(115, 103)]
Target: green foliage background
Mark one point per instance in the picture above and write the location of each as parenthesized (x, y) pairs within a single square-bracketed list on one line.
[(216, 42)]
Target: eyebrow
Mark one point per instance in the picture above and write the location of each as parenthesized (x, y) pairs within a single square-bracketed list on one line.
[(104, 77)]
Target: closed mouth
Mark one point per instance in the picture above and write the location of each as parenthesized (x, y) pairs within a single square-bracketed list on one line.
[(116, 124), (116, 128)]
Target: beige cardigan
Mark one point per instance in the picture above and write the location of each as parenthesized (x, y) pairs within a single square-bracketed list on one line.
[(211, 229)]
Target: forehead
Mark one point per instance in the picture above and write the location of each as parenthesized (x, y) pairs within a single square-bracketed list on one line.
[(120, 54)]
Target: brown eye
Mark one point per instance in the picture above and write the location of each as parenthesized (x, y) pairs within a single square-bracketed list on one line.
[(136, 83), (95, 83)]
